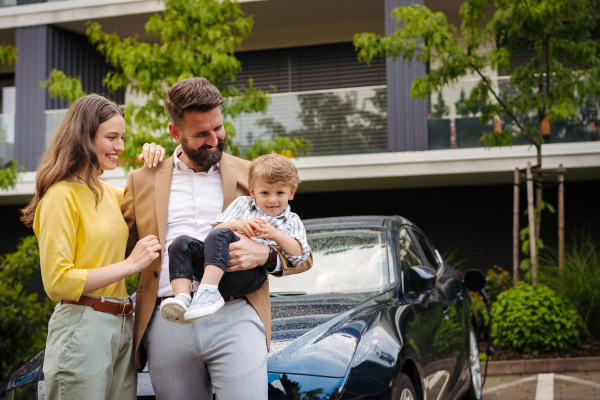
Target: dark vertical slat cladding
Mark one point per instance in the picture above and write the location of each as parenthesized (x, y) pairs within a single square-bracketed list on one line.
[(267, 67), (30, 70), (407, 118), (42, 48), (23, 2), (329, 66), (73, 54)]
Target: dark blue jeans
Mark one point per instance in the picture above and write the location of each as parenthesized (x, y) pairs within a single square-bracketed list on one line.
[(188, 257)]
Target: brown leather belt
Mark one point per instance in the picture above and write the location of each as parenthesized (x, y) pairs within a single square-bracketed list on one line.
[(226, 298), (106, 306)]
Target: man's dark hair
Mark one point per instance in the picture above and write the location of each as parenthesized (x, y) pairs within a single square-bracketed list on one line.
[(192, 94)]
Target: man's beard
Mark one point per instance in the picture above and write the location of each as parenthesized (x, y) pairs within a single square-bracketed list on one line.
[(198, 157)]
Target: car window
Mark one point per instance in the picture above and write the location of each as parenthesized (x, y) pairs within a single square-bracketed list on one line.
[(428, 251), (344, 261), (409, 257)]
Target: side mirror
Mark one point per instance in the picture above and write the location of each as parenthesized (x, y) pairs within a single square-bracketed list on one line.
[(422, 279), (474, 280)]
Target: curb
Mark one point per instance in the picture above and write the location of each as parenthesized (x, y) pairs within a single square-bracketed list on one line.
[(515, 367)]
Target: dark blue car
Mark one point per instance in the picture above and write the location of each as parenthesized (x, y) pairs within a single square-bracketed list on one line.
[(378, 316)]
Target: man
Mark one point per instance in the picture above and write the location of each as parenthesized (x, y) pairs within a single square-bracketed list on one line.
[(181, 196)]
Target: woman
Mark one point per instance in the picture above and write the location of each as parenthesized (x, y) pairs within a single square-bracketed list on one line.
[(82, 237)]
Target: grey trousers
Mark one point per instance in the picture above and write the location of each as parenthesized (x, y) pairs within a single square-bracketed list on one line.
[(89, 354), (226, 350)]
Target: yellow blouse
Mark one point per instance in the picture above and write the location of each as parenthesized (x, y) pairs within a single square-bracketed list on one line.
[(75, 236)]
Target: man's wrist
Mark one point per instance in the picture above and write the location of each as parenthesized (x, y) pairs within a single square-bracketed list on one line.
[(271, 259)]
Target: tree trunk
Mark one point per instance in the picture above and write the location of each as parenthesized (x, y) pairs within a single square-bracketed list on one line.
[(516, 226), (538, 190), (532, 233)]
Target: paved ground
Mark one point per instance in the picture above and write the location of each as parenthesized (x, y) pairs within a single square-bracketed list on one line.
[(566, 386)]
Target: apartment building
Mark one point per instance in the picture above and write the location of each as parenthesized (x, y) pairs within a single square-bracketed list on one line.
[(376, 150)]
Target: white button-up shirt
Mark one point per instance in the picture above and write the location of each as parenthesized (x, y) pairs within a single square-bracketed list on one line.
[(195, 200)]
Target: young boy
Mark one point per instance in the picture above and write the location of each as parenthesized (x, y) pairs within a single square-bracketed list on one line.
[(264, 216)]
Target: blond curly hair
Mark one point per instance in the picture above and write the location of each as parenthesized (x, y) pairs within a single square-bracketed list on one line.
[(273, 169)]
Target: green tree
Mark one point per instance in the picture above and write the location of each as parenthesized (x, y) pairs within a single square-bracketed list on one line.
[(195, 38), (23, 318), (464, 107), (440, 109), (562, 73)]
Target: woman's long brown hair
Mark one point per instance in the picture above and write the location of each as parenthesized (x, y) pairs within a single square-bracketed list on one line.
[(71, 151)]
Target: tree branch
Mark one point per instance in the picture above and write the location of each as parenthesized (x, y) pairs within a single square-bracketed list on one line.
[(506, 110)]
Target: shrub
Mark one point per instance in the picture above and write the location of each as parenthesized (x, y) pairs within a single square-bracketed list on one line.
[(23, 319), (497, 280), (534, 319), (580, 281)]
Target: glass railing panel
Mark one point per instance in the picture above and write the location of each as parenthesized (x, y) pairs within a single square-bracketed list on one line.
[(342, 121), (53, 118), (456, 124), (7, 138), (8, 3)]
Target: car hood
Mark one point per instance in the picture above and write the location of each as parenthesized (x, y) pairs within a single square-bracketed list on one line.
[(317, 335)]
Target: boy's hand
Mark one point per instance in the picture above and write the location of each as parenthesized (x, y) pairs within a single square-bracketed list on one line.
[(248, 226), (268, 231)]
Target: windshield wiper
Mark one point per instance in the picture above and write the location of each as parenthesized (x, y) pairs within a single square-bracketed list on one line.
[(284, 294)]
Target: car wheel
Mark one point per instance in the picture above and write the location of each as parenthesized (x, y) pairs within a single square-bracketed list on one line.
[(474, 392), (406, 390)]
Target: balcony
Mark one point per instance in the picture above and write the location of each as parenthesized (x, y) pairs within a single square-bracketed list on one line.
[(53, 118), (7, 138), (354, 121), (459, 126), (341, 121)]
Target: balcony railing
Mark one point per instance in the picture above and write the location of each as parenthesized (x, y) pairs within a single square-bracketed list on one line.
[(460, 127), (7, 138), (341, 121), (53, 118), (354, 120)]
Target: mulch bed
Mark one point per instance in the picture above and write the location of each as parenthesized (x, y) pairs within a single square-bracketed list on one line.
[(590, 347)]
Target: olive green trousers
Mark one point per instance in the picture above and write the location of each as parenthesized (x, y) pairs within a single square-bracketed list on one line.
[(89, 354)]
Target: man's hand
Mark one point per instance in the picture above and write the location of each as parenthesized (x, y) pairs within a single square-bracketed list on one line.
[(246, 254)]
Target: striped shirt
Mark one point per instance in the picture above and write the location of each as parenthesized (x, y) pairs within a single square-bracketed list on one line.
[(287, 222)]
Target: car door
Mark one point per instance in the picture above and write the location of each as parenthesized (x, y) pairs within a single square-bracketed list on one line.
[(435, 320)]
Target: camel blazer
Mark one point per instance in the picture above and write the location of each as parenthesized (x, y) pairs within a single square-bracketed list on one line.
[(145, 207)]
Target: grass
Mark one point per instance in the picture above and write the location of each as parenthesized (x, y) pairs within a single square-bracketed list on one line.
[(580, 281)]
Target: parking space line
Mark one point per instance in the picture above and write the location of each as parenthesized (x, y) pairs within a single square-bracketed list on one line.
[(545, 387), (509, 384), (577, 380)]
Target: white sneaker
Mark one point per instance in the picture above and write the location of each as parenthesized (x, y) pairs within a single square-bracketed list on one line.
[(205, 302), (173, 309)]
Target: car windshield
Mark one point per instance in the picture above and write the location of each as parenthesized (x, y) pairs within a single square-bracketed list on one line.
[(344, 261)]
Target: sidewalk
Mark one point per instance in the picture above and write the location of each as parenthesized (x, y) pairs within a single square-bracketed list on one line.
[(566, 386)]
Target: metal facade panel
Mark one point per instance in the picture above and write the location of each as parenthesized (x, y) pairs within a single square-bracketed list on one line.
[(42, 48), (23, 2), (330, 66), (407, 118), (73, 54), (30, 70)]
